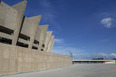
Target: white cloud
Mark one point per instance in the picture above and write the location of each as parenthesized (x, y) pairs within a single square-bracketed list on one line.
[(104, 55), (107, 22), (113, 54), (60, 41)]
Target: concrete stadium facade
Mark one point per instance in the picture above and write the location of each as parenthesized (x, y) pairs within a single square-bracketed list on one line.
[(19, 30), (21, 41)]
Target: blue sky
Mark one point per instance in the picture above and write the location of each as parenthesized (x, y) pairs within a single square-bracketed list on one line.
[(87, 28)]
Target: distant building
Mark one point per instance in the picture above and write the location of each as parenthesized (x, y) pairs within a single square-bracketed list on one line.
[(98, 59), (17, 29)]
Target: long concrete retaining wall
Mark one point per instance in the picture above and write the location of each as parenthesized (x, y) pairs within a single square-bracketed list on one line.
[(14, 59)]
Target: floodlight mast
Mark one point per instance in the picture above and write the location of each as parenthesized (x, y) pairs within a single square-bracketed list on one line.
[(70, 54)]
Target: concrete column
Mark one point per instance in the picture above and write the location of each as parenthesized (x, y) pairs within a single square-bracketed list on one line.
[(30, 28), (41, 35), (20, 7), (50, 45), (47, 39)]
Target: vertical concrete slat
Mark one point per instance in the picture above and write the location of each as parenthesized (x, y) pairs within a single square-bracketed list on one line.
[(40, 35), (29, 28), (47, 40), (20, 7), (1, 59), (50, 45)]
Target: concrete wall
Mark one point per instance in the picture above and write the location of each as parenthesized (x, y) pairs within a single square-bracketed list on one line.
[(110, 62), (14, 59)]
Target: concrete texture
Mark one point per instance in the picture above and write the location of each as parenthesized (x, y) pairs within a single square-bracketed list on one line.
[(11, 19), (50, 45), (40, 35), (82, 70), (29, 29), (47, 40), (17, 29), (14, 59), (20, 7)]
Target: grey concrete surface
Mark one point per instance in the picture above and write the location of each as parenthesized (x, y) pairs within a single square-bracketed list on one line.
[(51, 43), (11, 19), (78, 70), (47, 39), (29, 28), (17, 29)]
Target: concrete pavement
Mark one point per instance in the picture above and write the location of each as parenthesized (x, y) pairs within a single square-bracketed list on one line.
[(78, 70)]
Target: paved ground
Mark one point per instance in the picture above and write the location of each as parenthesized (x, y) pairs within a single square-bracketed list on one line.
[(79, 70)]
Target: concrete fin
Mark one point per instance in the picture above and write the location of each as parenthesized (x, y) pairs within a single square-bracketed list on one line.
[(4, 4), (43, 27), (50, 45), (20, 7), (53, 36), (47, 37), (50, 32), (35, 19)]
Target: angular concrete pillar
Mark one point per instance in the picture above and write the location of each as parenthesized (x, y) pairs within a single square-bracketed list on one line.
[(47, 40), (29, 29), (36, 21), (40, 35), (10, 20), (50, 45), (20, 7)]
